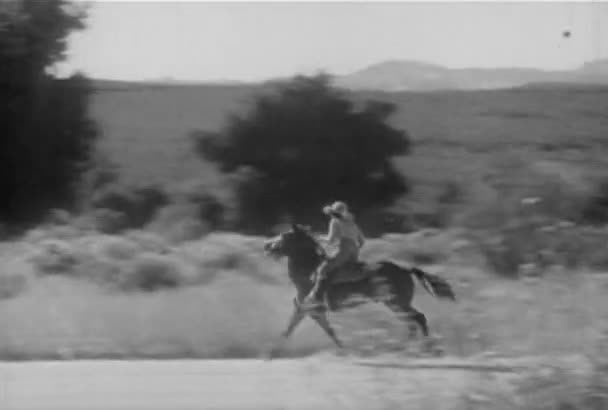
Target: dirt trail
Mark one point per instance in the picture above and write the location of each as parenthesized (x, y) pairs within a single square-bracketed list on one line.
[(313, 383)]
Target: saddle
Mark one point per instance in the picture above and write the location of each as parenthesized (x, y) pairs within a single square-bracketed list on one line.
[(351, 272)]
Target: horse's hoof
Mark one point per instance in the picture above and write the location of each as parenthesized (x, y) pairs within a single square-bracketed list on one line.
[(431, 347), (270, 354), (339, 347), (313, 310), (317, 311)]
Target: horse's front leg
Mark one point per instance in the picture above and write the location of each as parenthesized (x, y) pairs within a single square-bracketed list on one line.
[(321, 319), (296, 317)]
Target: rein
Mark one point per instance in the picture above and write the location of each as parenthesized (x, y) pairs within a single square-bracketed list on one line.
[(320, 250)]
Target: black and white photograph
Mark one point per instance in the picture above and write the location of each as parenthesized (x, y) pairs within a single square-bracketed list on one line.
[(298, 205)]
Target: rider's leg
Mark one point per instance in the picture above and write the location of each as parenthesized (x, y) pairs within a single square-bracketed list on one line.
[(346, 253), (320, 280)]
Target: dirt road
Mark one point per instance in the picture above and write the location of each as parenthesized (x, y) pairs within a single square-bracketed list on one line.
[(314, 383)]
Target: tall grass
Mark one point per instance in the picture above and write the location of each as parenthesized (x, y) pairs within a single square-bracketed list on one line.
[(541, 224), (137, 296)]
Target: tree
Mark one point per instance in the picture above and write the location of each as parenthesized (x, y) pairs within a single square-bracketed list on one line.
[(305, 145), (46, 135)]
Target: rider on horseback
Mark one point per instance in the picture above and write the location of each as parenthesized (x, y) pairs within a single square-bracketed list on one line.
[(344, 231)]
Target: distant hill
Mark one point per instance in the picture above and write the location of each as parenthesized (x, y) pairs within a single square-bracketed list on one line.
[(417, 76), (118, 85), (395, 76)]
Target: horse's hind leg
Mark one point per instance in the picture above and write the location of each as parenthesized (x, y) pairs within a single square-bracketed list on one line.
[(430, 344), (323, 322), (416, 319), (413, 317), (420, 319), (296, 317)]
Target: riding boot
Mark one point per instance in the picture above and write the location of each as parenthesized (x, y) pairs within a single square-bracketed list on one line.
[(315, 297), (318, 290)]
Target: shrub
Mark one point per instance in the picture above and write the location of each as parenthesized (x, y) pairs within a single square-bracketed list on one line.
[(61, 232), (118, 248), (108, 221), (12, 284), (148, 241), (179, 223), (138, 204), (376, 222), (535, 225), (561, 389), (101, 172), (186, 230), (55, 257), (210, 208), (595, 209), (115, 197), (102, 271), (150, 272), (450, 199), (303, 146), (59, 217), (533, 245), (215, 202)]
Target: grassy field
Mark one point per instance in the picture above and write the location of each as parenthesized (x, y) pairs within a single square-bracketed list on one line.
[(70, 292), (92, 295), (471, 138), (138, 294)]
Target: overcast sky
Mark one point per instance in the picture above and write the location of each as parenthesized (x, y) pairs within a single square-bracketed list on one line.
[(252, 41)]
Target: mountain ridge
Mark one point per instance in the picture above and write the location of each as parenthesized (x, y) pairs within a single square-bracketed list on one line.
[(408, 75), (411, 75)]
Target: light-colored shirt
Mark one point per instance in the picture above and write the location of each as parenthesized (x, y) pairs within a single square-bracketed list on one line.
[(344, 228)]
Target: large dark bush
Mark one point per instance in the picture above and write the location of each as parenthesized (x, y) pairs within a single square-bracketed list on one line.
[(45, 132), (304, 145), (138, 204), (595, 208)]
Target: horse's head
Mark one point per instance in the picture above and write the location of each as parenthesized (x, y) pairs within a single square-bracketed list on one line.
[(295, 243)]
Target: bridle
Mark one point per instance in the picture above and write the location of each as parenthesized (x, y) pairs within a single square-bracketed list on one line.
[(319, 249)]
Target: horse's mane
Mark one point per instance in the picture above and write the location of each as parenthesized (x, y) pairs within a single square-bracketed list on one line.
[(306, 232)]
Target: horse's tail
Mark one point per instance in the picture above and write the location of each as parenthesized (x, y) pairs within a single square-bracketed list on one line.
[(434, 284)]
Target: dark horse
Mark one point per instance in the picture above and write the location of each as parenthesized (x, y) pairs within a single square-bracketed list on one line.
[(384, 281)]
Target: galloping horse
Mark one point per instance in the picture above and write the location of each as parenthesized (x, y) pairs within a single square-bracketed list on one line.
[(384, 281)]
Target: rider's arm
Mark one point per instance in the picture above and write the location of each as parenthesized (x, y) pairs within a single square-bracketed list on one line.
[(360, 237), (333, 231)]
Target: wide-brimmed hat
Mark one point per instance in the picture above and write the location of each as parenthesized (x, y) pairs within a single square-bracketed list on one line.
[(337, 207)]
